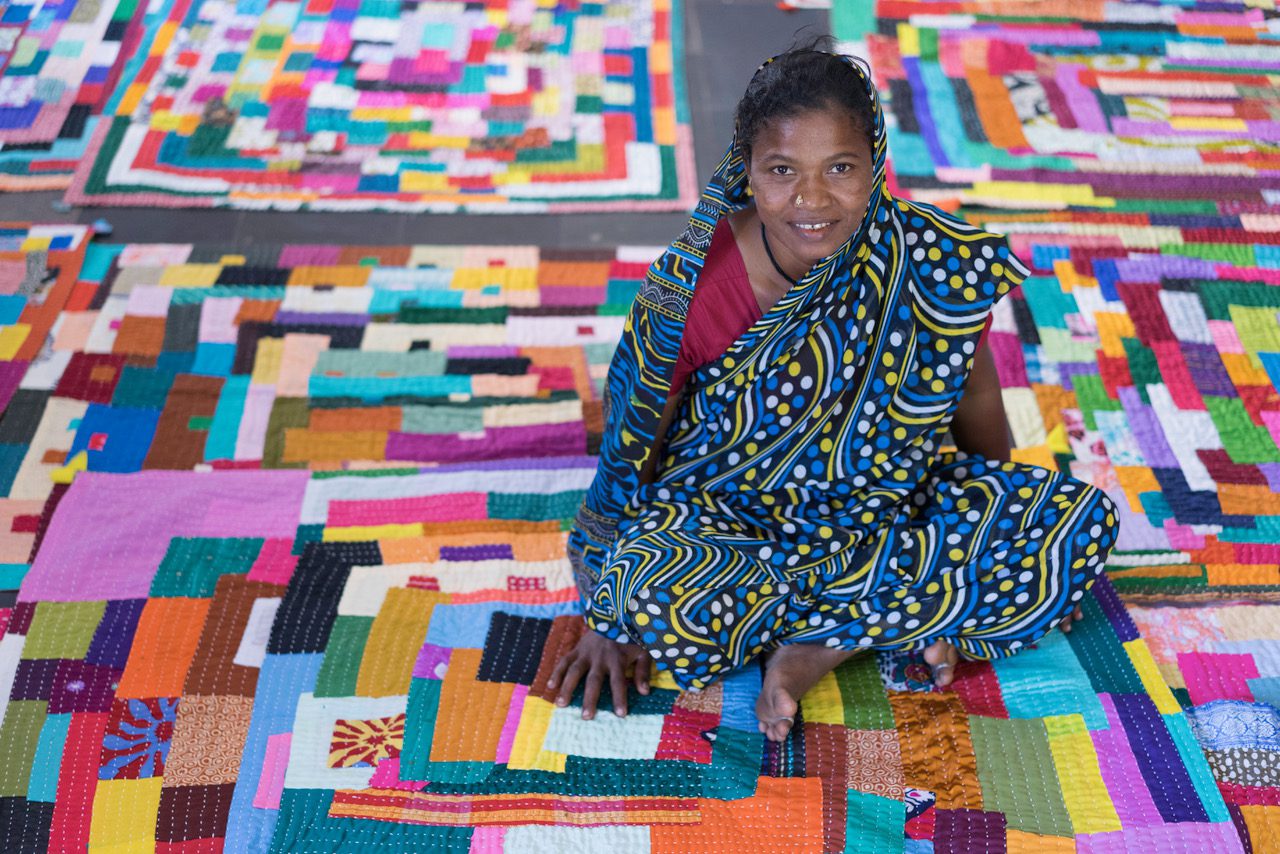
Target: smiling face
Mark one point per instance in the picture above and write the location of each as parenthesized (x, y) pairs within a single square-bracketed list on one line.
[(811, 174)]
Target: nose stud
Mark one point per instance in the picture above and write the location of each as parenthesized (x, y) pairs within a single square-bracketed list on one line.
[(799, 199)]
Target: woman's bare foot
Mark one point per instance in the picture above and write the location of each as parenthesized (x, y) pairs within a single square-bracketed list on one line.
[(789, 673), (942, 657)]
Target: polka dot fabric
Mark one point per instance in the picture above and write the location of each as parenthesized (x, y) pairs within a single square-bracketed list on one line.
[(804, 493)]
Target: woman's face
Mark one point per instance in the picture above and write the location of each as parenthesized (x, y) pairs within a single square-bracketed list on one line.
[(811, 175)]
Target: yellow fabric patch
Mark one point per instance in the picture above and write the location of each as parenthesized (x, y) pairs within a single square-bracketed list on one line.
[(527, 752), (1150, 676), (124, 815), (1083, 789)]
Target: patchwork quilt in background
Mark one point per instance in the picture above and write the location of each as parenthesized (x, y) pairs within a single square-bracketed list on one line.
[(58, 63), (521, 106), (347, 105), (286, 572), (1132, 152)]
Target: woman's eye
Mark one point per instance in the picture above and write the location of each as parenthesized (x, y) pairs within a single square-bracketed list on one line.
[(842, 168), (780, 170)]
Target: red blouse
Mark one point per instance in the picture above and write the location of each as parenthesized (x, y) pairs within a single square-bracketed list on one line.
[(723, 308)]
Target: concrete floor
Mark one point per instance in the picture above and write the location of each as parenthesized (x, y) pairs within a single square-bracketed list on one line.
[(724, 41)]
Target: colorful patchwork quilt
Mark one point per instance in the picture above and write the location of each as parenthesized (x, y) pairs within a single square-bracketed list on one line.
[(285, 553), (1130, 150), (345, 105), (58, 63)]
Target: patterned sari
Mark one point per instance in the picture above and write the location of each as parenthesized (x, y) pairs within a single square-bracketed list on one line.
[(803, 496)]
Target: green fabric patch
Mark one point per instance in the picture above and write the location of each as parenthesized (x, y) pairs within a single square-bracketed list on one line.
[(62, 629), (23, 720), (874, 824), (1018, 776), (342, 655), (193, 565), (862, 694)]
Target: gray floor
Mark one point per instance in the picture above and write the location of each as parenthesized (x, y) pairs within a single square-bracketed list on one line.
[(724, 40)]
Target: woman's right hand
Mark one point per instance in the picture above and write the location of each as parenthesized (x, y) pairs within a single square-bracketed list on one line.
[(598, 658)]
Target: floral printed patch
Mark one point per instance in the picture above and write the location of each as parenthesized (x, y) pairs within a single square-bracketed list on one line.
[(136, 743), (363, 744)]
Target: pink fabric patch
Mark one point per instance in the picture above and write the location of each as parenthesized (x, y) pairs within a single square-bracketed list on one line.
[(387, 776), (1187, 836), (127, 547), (1218, 675), (274, 762), (487, 840), (1120, 772), (509, 728), (275, 563), (406, 511)]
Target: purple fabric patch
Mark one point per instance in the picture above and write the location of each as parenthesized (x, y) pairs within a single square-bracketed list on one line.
[(432, 662), (1158, 759), (968, 832), (1111, 605), (11, 374), (485, 552), (34, 679), (128, 547), (81, 687), (1146, 430), (1068, 371), (114, 636), (1207, 370), (20, 618), (496, 442), (477, 351)]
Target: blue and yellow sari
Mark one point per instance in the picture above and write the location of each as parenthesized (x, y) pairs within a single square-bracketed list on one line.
[(803, 495)]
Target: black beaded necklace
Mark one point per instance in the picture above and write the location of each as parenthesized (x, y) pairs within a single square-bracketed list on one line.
[(781, 272)]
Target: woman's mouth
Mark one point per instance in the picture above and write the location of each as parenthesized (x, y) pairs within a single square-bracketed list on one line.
[(815, 229)]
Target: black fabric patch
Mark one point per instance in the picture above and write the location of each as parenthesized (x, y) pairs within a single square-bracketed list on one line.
[(73, 125), (903, 106), (22, 416), (1027, 332), (273, 276), (507, 367), (182, 329), (513, 648), (24, 825), (310, 603)]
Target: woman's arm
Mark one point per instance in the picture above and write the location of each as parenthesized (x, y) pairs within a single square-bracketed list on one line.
[(980, 425)]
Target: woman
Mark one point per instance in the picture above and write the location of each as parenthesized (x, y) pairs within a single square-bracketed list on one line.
[(771, 479)]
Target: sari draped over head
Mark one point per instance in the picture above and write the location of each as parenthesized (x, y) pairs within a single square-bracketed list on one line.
[(803, 494)]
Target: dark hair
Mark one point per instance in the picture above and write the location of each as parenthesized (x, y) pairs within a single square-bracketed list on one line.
[(807, 77)]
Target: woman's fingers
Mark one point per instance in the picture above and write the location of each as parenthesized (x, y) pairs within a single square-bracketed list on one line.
[(642, 673), (1078, 613), (557, 672), (618, 685), (591, 693), (571, 678)]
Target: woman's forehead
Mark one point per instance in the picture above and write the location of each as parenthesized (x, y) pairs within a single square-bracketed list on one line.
[(829, 128)]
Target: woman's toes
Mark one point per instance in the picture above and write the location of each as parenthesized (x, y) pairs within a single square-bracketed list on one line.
[(942, 657)]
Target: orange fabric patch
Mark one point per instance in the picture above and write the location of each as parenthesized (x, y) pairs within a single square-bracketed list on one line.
[(472, 713), (163, 647), (783, 816), (140, 336), (937, 753)]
